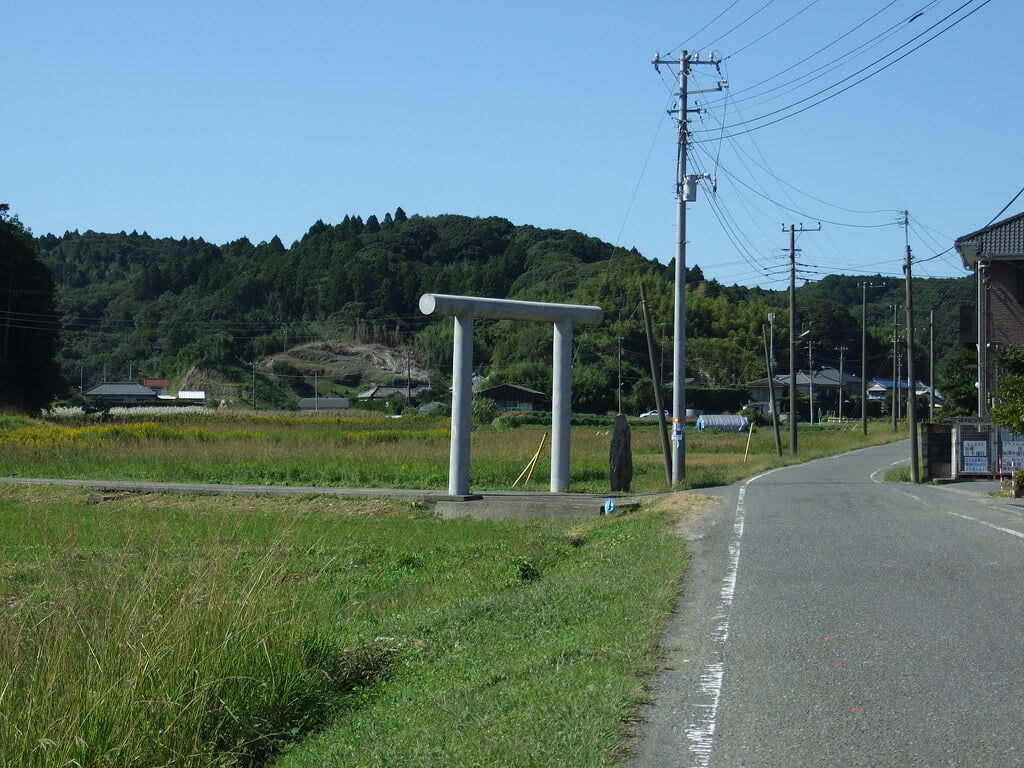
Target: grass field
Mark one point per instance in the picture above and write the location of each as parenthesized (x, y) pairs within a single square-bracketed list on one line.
[(205, 632), (177, 631), (370, 450)]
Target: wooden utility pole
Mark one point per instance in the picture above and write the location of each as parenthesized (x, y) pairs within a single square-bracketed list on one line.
[(931, 364), (792, 331), (915, 473), (864, 352), (895, 362), (771, 393), (842, 389), (656, 378)]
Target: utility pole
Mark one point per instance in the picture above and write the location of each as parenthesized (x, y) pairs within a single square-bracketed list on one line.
[(983, 336), (810, 380), (895, 372), (842, 351), (618, 360), (771, 392), (899, 373), (656, 377), (864, 352), (408, 376), (931, 364), (911, 381), (686, 191), (792, 330)]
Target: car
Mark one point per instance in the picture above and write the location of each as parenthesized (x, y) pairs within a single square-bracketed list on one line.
[(654, 415)]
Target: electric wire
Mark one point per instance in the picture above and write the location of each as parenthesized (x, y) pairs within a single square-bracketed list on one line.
[(774, 29), (819, 51), (822, 70), (721, 37), (1021, 192), (784, 113)]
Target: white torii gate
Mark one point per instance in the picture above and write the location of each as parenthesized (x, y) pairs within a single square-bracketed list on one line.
[(465, 309)]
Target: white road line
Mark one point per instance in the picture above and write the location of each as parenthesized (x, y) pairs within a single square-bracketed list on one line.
[(993, 526), (877, 476), (701, 734), (923, 502)]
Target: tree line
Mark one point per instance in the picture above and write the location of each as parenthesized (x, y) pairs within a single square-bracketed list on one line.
[(129, 302)]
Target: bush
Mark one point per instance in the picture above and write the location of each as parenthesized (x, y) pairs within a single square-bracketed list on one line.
[(484, 410)]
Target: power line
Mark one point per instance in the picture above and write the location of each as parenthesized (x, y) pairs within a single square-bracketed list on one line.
[(1005, 207), (819, 51), (763, 120)]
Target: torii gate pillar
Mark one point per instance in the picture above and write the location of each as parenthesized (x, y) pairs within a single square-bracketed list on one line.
[(465, 309)]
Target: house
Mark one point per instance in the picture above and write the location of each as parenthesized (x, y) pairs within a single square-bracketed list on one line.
[(119, 393), (879, 391), (996, 254), (411, 394), (323, 403), (823, 385), (157, 385), (192, 396), (512, 397)]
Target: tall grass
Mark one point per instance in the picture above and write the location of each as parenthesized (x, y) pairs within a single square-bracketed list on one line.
[(199, 632), (136, 646), (371, 450)]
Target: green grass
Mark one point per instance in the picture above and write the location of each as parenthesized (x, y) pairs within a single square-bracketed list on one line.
[(371, 450), (197, 632), (178, 631)]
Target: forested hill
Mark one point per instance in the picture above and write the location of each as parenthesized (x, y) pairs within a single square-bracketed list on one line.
[(136, 304)]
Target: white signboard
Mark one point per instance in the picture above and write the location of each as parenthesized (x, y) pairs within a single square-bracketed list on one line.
[(976, 448), (974, 457), (1013, 450), (1012, 457), (976, 464)]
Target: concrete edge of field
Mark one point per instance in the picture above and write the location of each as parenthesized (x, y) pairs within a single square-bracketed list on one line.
[(486, 505)]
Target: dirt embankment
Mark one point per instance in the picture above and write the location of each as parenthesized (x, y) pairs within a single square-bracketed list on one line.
[(336, 355)]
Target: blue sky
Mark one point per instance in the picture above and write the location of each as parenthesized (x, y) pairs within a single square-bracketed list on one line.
[(228, 119)]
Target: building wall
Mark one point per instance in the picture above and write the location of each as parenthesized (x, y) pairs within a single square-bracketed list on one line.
[(1006, 303)]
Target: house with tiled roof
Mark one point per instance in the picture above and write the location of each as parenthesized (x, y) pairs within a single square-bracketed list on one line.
[(119, 393), (383, 393), (825, 385), (996, 254), (512, 397)]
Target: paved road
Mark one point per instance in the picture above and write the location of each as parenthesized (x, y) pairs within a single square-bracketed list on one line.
[(831, 619)]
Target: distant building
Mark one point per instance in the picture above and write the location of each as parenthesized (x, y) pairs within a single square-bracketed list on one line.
[(825, 384), (383, 393), (129, 393), (323, 403), (194, 396), (512, 397), (157, 385), (119, 393)]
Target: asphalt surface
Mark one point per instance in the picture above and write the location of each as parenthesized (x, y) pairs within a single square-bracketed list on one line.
[(832, 619)]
